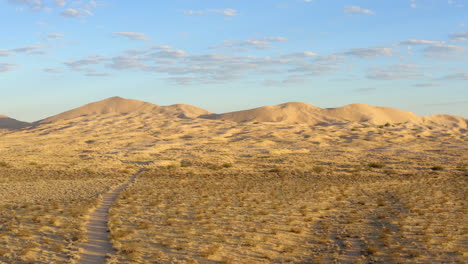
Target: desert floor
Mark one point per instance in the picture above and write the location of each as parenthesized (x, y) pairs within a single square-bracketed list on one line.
[(216, 191)]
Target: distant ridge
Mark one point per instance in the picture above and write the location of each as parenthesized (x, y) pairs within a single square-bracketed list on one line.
[(10, 123), (118, 105), (304, 113), (291, 113)]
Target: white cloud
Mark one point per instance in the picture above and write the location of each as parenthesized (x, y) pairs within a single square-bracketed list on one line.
[(461, 36), (33, 4), (229, 12), (462, 76), (426, 85), (416, 42), (244, 45), (371, 52), (5, 53), (357, 10), (96, 74), (60, 2), (52, 70), (133, 35), (35, 49), (90, 60), (6, 67), (442, 50), (304, 54), (74, 13), (126, 62), (53, 36), (395, 72)]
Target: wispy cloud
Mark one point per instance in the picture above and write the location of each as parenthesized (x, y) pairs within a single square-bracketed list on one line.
[(78, 65), (32, 4), (75, 13), (462, 76), (357, 10), (133, 35), (53, 36), (395, 72), (371, 52), (228, 12), (51, 70), (444, 51), (6, 67), (417, 42), (5, 53), (459, 37), (60, 2), (244, 45)]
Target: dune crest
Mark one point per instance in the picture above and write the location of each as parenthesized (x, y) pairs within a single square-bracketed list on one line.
[(303, 113), (119, 106)]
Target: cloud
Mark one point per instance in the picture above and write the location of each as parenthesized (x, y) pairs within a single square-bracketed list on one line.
[(75, 13), (90, 60), (416, 42), (5, 53), (229, 12), (462, 76), (60, 2), (51, 70), (301, 55), (34, 49), (357, 10), (32, 4), (365, 90), (289, 80), (53, 36), (126, 62), (248, 44), (6, 67), (426, 85), (92, 74), (371, 52), (459, 37), (133, 35), (395, 72), (444, 51)]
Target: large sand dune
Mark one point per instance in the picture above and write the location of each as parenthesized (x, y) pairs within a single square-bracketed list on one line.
[(308, 114), (289, 113), (119, 106)]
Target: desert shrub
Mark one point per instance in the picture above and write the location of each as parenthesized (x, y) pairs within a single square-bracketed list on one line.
[(318, 169), (185, 163), (226, 165), (437, 168), (376, 165)]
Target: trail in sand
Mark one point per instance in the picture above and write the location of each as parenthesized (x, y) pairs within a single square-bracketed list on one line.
[(98, 244)]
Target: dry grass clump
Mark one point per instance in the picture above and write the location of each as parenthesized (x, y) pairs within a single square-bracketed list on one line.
[(43, 212), (288, 216)]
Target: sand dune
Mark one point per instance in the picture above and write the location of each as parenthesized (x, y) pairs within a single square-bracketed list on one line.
[(118, 105), (10, 123), (302, 113), (290, 113)]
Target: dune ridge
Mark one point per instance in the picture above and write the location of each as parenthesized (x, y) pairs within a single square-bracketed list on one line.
[(291, 113), (312, 115)]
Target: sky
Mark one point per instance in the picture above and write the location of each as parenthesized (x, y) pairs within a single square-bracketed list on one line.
[(227, 55)]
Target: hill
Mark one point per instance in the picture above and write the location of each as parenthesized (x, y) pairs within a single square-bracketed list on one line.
[(10, 123)]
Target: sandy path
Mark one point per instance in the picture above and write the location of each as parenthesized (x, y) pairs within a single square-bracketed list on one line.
[(98, 244)]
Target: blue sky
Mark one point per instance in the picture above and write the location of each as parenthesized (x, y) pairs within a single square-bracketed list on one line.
[(231, 55)]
